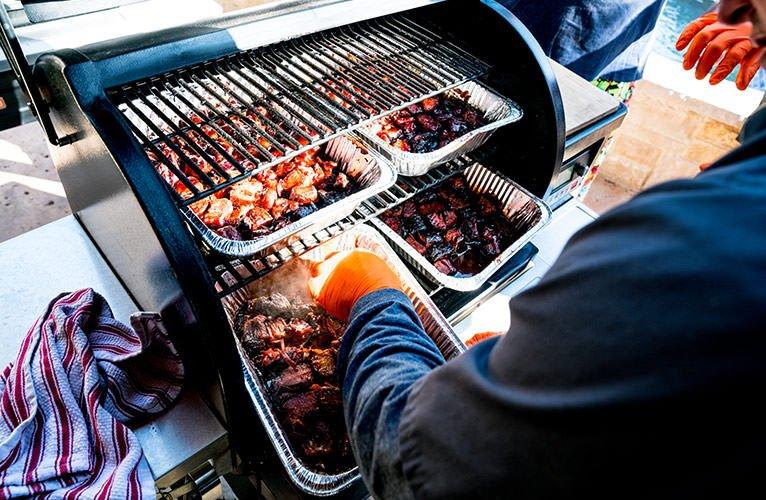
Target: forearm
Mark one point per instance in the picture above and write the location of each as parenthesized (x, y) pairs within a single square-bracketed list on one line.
[(385, 351)]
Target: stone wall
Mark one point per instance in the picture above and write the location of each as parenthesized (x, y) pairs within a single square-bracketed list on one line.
[(667, 136)]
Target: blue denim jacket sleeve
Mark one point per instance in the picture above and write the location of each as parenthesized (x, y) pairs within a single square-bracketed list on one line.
[(385, 351)]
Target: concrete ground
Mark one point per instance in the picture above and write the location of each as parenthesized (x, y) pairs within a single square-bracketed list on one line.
[(30, 192)]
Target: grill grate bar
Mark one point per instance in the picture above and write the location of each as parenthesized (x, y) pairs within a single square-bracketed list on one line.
[(219, 122), (233, 275)]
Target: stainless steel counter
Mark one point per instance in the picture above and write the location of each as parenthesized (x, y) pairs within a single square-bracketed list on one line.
[(58, 257)]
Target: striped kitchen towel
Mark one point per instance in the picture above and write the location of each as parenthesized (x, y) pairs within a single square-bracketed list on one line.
[(78, 378)]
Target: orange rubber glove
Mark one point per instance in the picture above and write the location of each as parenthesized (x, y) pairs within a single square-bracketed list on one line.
[(344, 278), (710, 41)]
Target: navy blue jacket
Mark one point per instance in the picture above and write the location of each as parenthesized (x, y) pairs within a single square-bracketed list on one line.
[(594, 38), (635, 369)]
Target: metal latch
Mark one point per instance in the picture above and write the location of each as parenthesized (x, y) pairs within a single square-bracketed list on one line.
[(23, 72), (204, 482)]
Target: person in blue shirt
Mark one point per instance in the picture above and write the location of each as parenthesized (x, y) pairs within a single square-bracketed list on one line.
[(634, 369), (604, 39)]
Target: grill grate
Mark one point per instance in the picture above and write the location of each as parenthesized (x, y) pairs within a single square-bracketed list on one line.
[(235, 274), (209, 126)]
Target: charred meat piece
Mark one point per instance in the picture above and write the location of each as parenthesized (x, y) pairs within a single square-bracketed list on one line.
[(293, 379), (275, 305), (430, 202), (217, 212), (323, 362), (445, 266)]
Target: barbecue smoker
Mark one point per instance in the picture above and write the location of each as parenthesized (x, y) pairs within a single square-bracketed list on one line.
[(107, 108)]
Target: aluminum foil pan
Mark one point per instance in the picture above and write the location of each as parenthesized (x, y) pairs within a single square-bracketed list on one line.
[(373, 174), (498, 110), (519, 206), (435, 324)]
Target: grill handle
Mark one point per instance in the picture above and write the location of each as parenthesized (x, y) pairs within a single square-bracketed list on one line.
[(23, 72)]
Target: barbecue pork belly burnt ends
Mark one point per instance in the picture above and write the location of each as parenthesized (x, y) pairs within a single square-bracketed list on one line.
[(264, 203), (295, 346), (432, 123), (457, 230)]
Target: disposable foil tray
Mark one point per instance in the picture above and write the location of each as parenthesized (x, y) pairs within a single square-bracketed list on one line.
[(373, 174), (497, 110), (435, 324), (519, 207)]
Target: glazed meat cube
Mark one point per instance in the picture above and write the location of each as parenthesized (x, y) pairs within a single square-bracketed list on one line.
[(401, 145), (304, 195), (258, 218), (425, 142), (404, 121), (246, 193), (409, 209), (268, 198), (454, 237), (438, 252), (431, 203), (415, 224), (230, 233), (302, 176), (323, 362), (237, 215), (341, 181), (298, 408), (217, 212)]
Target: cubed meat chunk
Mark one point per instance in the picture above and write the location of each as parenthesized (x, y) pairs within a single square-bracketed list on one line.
[(217, 212), (323, 362), (304, 195)]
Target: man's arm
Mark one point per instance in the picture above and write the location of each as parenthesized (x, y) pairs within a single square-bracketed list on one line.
[(628, 371), (385, 351)]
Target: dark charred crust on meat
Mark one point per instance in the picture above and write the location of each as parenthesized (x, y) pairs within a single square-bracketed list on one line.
[(295, 346), (459, 231)]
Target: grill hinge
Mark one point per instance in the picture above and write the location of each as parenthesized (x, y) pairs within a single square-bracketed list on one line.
[(23, 73)]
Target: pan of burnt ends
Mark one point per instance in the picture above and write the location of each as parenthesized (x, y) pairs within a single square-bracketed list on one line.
[(289, 346), (291, 200), (441, 128), (461, 231)]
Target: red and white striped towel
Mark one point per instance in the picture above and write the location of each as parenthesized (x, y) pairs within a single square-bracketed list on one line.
[(79, 376)]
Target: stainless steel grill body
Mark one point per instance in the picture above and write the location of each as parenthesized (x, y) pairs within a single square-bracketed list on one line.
[(135, 219)]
